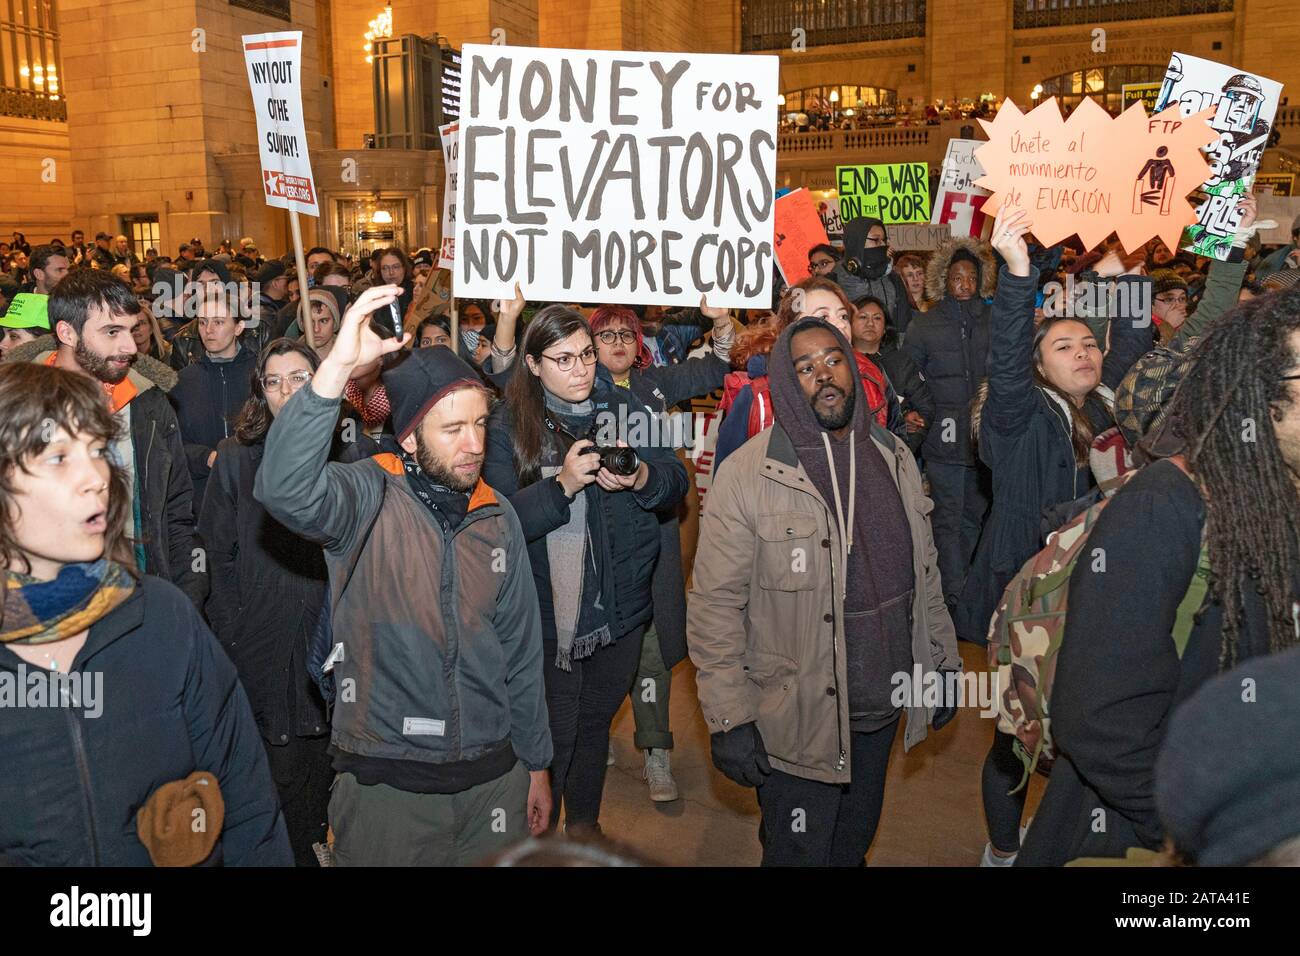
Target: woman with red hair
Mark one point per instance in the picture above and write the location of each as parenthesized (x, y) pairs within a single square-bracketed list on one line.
[(625, 361), (745, 405)]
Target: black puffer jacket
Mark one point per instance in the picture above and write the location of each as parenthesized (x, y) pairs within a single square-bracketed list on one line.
[(950, 346), (268, 589), (624, 525), (169, 704), (1024, 439), (910, 386)]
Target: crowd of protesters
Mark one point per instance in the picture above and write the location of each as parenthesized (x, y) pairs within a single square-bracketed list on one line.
[(376, 575)]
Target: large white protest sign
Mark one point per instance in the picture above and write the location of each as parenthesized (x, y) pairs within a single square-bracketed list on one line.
[(1244, 106), (599, 176), (275, 78), (958, 200), (450, 136)]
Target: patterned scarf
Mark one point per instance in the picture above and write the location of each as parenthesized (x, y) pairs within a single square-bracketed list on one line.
[(373, 413), (39, 612), (448, 507)]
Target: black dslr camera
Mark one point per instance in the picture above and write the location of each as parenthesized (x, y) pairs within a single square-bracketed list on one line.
[(617, 460)]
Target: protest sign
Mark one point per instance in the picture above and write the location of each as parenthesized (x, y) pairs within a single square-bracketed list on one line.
[(1241, 107), (1094, 174), (918, 238), (958, 200), (798, 229), (1274, 184), (1148, 94), (829, 212), (450, 137), (890, 192), (273, 61), (602, 176)]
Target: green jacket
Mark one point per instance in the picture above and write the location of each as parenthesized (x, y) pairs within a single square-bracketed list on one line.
[(441, 633)]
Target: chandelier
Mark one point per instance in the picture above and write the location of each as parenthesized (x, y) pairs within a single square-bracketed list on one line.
[(380, 28)]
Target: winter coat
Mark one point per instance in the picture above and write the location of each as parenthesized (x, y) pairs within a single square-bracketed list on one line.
[(625, 528), (208, 397), (950, 346), (1118, 675), (765, 647), (1024, 439), (657, 389), (268, 588), (911, 387), (170, 704), (164, 491), (442, 643)]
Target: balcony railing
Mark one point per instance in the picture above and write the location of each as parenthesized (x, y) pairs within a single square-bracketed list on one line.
[(1055, 13), (839, 141), (29, 104), (772, 24)]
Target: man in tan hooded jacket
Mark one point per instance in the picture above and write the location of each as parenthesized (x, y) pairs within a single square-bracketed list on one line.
[(802, 640)]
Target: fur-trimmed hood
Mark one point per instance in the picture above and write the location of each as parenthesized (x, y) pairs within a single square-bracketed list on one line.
[(147, 372), (936, 271)]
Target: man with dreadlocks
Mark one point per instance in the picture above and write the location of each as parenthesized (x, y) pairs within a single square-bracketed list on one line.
[(1227, 497)]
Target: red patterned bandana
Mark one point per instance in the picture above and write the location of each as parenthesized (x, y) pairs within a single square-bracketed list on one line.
[(374, 412)]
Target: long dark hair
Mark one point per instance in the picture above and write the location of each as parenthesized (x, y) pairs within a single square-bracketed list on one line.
[(524, 394), (254, 419), (1252, 526), (33, 400), (1082, 431)]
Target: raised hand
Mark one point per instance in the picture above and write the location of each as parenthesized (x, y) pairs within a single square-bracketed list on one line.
[(1008, 239)]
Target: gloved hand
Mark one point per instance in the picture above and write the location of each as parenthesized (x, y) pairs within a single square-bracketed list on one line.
[(942, 715), (740, 755)]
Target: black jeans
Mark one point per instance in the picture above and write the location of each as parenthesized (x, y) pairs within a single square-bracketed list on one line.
[(809, 823), (961, 502), (303, 774), (582, 704)]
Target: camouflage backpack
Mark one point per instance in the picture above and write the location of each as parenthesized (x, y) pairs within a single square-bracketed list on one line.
[(1027, 628)]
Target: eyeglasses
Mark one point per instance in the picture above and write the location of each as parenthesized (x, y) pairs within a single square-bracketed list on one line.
[(296, 380), (1178, 299), (873, 241), (565, 362), (610, 336)]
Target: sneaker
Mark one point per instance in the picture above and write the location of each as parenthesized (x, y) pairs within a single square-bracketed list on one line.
[(992, 859), (609, 758), (663, 788)]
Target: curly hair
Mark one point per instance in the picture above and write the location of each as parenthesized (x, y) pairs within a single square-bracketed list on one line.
[(1234, 384)]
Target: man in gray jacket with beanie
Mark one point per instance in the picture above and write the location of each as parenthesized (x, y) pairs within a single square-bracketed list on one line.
[(440, 734)]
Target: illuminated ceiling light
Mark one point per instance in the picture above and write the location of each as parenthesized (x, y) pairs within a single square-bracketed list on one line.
[(382, 217), (25, 72)]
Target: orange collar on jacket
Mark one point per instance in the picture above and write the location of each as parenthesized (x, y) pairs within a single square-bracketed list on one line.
[(483, 494), (119, 395)]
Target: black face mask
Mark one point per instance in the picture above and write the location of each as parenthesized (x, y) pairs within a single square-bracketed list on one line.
[(873, 264)]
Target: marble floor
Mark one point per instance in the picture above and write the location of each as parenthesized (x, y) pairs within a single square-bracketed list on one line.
[(932, 814)]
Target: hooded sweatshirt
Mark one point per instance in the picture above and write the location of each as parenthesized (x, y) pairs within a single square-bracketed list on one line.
[(875, 275), (875, 540)]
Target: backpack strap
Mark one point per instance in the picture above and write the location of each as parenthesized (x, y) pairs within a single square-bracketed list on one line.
[(1185, 619)]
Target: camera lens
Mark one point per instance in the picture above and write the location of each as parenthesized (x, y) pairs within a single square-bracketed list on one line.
[(620, 461)]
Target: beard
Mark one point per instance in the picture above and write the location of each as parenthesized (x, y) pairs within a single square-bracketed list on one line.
[(834, 421), (439, 471), (99, 366)]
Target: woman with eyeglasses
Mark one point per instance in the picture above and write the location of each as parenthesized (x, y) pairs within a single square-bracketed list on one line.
[(593, 540), (268, 588)]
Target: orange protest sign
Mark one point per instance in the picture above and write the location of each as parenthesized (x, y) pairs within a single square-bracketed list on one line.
[(1095, 174), (798, 228)]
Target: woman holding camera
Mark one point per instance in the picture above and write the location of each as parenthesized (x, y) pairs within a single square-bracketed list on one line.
[(593, 539)]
